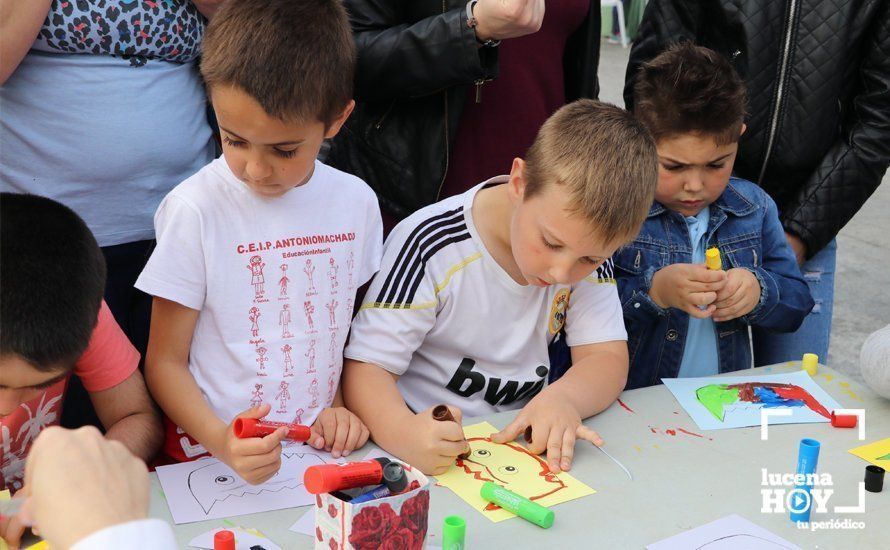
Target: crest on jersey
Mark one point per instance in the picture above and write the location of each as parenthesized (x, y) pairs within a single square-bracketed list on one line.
[(557, 317)]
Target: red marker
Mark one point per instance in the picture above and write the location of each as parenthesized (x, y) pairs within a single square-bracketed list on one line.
[(251, 427), (337, 477)]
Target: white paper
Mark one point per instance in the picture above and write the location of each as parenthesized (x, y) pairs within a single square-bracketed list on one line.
[(208, 489), (730, 533), (243, 540), (306, 524)]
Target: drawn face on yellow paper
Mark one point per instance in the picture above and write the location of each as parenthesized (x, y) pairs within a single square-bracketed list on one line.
[(510, 466)]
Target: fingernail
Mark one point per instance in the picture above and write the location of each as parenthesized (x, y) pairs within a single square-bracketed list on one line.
[(345, 453)]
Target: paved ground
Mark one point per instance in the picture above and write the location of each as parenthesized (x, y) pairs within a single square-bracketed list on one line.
[(862, 290)]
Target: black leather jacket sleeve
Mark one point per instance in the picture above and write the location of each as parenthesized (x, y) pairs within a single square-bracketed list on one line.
[(852, 168), (398, 59)]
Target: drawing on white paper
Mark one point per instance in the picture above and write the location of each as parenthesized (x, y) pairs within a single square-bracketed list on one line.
[(208, 489)]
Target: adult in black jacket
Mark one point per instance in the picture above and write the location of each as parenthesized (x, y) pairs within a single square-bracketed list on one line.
[(417, 59), (818, 135)]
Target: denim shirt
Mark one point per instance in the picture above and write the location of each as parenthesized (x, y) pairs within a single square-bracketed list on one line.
[(744, 225)]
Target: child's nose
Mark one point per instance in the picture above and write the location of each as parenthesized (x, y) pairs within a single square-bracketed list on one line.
[(693, 182), (561, 272), (257, 169), (9, 401)]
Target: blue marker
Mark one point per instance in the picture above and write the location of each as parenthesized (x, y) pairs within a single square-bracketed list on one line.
[(807, 459), (377, 492), (395, 481)]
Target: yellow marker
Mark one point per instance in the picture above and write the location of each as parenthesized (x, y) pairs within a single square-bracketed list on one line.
[(810, 363), (712, 259)]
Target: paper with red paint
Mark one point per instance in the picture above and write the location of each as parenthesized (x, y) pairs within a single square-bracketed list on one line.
[(717, 403), (509, 465)]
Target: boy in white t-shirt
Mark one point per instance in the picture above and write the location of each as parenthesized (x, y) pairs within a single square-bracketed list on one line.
[(239, 303), (473, 289)]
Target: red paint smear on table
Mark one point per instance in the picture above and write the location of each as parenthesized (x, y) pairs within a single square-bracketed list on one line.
[(620, 402), (671, 432), (652, 430), (695, 434)]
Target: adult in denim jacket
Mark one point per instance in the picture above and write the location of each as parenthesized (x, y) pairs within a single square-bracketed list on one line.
[(744, 225), (683, 319)]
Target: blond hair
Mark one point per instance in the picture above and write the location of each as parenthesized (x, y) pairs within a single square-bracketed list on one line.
[(605, 159)]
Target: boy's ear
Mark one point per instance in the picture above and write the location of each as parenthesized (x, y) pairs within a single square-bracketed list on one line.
[(334, 127), (742, 131), (516, 183)]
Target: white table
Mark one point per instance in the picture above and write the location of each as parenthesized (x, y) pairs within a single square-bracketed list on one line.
[(680, 481)]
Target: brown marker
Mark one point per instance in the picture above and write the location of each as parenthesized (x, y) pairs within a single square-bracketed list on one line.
[(443, 414)]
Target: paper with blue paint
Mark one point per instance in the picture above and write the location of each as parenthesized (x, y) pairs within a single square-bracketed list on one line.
[(722, 402)]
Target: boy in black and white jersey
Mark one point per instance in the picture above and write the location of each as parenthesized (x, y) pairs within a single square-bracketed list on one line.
[(472, 290)]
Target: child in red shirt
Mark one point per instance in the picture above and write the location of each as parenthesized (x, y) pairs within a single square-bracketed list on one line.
[(53, 322)]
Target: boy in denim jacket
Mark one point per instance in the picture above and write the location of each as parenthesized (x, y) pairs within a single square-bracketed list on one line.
[(682, 319)]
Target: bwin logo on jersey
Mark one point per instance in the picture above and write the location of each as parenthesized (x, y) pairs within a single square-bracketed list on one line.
[(557, 317), (466, 382)]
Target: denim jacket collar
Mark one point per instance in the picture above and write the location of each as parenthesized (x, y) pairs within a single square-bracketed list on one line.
[(730, 201)]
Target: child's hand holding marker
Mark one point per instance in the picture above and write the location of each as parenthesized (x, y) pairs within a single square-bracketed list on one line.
[(550, 424), (686, 287), (338, 431), (432, 445), (256, 459)]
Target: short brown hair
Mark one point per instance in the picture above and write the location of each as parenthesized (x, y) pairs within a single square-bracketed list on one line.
[(690, 89), (605, 158), (296, 58)]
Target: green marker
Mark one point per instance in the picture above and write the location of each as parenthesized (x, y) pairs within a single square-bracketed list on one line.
[(454, 528), (518, 504)]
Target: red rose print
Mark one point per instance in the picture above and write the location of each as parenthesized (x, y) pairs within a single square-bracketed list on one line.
[(403, 539), (333, 545), (414, 515), (332, 510), (372, 525), (318, 500), (318, 535)]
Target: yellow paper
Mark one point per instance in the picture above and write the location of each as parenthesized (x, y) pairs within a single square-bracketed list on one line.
[(878, 453), (42, 545), (511, 466)]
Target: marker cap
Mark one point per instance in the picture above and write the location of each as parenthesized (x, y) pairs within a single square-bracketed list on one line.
[(810, 363), (874, 478), (454, 530), (518, 504), (395, 478), (712, 259), (843, 420), (224, 540)]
